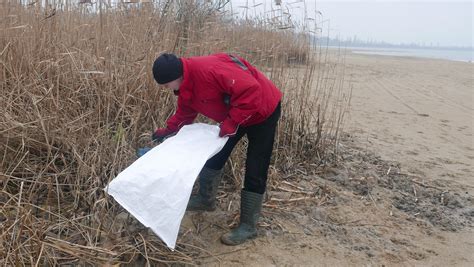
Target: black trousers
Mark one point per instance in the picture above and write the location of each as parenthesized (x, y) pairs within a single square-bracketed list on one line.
[(259, 151)]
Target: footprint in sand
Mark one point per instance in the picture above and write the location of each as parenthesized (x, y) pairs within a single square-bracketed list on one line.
[(398, 139), (416, 255), (450, 175), (444, 124), (443, 137), (445, 161), (463, 129), (391, 112)]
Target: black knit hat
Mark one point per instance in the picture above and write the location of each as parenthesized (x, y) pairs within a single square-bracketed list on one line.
[(167, 68)]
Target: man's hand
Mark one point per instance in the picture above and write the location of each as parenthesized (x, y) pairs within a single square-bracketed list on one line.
[(161, 134), (227, 128)]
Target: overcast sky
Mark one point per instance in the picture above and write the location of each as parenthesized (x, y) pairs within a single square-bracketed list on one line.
[(447, 23)]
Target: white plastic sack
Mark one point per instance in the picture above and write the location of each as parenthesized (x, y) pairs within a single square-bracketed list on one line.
[(156, 188)]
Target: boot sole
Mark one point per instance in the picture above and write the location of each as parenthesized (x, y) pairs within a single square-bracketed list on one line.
[(228, 242)]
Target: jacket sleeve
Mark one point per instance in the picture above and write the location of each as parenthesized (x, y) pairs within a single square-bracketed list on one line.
[(245, 95), (184, 115)]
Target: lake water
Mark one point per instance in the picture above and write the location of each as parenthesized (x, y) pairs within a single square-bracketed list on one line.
[(456, 55)]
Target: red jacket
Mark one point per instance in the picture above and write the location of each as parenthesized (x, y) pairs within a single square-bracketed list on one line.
[(208, 80)]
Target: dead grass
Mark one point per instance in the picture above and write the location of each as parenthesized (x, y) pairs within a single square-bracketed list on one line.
[(77, 98)]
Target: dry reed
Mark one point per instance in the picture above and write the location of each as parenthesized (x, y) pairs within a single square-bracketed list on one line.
[(77, 98)]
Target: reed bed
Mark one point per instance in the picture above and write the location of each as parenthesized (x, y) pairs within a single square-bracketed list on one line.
[(77, 98)]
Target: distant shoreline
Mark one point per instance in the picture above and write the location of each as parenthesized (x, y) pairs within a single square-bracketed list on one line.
[(414, 47), (334, 42), (441, 54)]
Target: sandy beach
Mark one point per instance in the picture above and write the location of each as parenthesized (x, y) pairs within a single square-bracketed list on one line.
[(419, 112), (403, 194)]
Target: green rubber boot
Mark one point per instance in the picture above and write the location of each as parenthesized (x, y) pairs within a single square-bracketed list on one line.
[(205, 200), (250, 207)]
